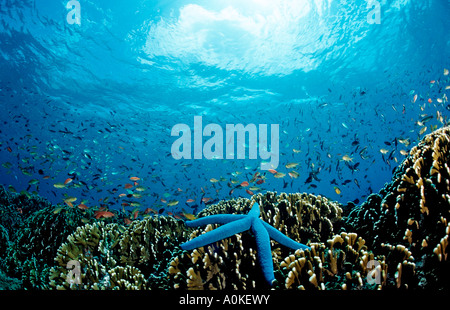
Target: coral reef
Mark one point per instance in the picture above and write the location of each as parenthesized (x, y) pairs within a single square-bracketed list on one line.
[(301, 217), (412, 211), (395, 240), (112, 256)]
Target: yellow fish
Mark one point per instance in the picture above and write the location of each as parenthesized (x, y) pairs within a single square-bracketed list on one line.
[(172, 203), (294, 174), (59, 185), (279, 175), (70, 199), (291, 165)]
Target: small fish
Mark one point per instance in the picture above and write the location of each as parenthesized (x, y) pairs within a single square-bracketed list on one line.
[(279, 175), (415, 98), (273, 171), (140, 188), (426, 119), (291, 165), (403, 152), (213, 180), (189, 216), (347, 158), (294, 174), (445, 71), (260, 181), (57, 210), (135, 179), (172, 203), (128, 185), (337, 190), (103, 214), (82, 206), (422, 131), (298, 151), (190, 200), (384, 151), (70, 199), (249, 192), (68, 181), (33, 182), (244, 184), (59, 185)]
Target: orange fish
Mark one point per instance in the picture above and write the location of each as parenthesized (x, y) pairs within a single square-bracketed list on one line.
[(206, 199), (122, 195), (415, 98), (128, 185), (9, 149), (190, 200), (273, 171), (82, 206), (67, 181), (244, 184), (127, 221), (46, 177), (124, 204), (260, 181), (69, 204), (148, 210), (135, 179), (429, 100), (136, 214), (105, 214), (163, 200), (249, 192)]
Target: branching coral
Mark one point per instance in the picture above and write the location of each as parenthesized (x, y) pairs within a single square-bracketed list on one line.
[(413, 210), (342, 263), (301, 217), (92, 247)]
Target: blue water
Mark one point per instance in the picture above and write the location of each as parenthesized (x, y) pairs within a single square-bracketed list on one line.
[(96, 101)]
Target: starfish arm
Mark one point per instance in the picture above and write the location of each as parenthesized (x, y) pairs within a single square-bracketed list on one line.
[(254, 211), (276, 235), (217, 234), (215, 219), (264, 250)]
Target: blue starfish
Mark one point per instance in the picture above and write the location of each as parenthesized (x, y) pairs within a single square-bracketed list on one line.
[(237, 223)]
